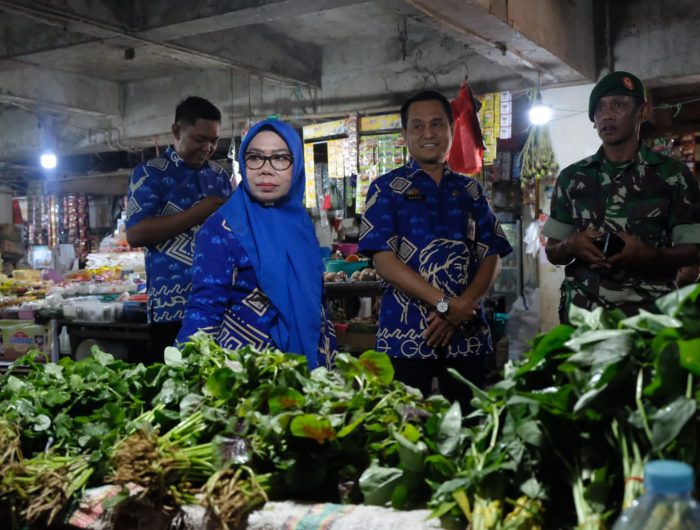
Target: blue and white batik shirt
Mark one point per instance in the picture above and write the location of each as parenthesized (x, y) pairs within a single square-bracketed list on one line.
[(166, 186), (443, 232)]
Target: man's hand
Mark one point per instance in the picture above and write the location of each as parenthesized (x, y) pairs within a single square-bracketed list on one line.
[(580, 245), (440, 329), (154, 230), (208, 205), (462, 309), (635, 254)]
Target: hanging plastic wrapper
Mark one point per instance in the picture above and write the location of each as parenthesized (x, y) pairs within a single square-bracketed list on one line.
[(235, 167), (531, 240)]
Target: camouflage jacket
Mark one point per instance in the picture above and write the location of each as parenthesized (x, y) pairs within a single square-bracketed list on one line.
[(653, 197)]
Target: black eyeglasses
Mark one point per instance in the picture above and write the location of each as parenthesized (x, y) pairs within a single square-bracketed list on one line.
[(279, 162)]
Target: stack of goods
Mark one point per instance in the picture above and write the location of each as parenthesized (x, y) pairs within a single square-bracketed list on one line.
[(42, 216), (73, 213), (350, 268), (18, 331), (378, 154), (561, 440), (19, 336), (350, 147), (11, 247), (25, 286), (53, 220), (94, 295), (125, 260)]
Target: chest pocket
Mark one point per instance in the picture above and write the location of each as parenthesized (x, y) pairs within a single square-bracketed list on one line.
[(647, 218), (642, 207)]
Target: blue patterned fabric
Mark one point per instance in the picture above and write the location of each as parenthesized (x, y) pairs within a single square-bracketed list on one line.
[(279, 245), (441, 231), (166, 186), (227, 301)]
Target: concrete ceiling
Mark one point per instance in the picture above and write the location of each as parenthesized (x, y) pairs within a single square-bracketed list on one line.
[(86, 76)]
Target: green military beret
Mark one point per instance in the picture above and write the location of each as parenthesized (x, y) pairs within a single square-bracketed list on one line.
[(616, 84)]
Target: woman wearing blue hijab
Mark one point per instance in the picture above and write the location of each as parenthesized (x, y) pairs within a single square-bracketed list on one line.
[(257, 272)]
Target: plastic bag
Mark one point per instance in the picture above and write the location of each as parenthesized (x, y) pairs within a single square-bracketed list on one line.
[(523, 323)]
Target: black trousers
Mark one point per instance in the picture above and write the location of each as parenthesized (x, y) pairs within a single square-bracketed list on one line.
[(420, 373), (162, 336)]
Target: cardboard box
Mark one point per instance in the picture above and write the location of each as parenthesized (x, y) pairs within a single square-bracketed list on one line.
[(11, 247), (11, 233), (17, 337)]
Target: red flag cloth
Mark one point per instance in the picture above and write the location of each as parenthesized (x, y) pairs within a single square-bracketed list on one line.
[(16, 213), (467, 152)]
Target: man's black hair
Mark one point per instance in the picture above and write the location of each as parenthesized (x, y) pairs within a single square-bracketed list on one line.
[(426, 95), (193, 108)]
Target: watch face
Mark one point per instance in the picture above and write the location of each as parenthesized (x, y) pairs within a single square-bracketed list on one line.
[(442, 306)]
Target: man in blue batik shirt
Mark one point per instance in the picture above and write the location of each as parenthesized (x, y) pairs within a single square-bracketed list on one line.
[(169, 197), (437, 245)]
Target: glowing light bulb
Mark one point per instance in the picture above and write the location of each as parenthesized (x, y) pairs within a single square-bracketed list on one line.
[(48, 160), (540, 114)]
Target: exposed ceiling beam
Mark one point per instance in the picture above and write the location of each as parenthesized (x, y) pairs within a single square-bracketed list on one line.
[(59, 92), (306, 72), (479, 25), (160, 23)]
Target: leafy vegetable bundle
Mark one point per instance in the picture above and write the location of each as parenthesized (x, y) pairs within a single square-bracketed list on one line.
[(567, 432), (560, 441), (220, 428)]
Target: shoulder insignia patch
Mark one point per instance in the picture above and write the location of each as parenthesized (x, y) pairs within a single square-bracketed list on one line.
[(158, 163), (399, 184)]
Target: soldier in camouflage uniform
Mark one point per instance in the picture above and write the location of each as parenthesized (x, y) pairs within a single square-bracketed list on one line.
[(651, 201)]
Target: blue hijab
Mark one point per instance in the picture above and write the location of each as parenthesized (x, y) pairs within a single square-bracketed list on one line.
[(281, 244)]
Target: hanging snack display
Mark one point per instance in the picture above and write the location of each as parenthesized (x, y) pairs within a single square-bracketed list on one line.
[(53, 220), (381, 149), (378, 155), (496, 121), (368, 170), (536, 161), (317, 189), (336, 162), (310, 187), (490, 119)]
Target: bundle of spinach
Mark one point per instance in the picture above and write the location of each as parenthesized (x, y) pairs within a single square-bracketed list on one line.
[(567, 431), (561, 442), (310, 435)]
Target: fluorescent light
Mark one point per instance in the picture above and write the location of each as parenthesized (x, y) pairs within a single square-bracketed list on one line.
[(48, 160), (540, 114)]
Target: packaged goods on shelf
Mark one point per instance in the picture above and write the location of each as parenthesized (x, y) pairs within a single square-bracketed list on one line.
[(20, 336), (134, 261)]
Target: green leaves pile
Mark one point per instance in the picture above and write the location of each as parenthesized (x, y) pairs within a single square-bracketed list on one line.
[(560, 442), (566, 433), (221, 428)]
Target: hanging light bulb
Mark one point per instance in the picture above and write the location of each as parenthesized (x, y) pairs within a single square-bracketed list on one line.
[(47, 143), (48, 160), (539, 113)]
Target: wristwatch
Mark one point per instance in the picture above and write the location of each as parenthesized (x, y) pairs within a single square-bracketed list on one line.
[(443, 306)]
